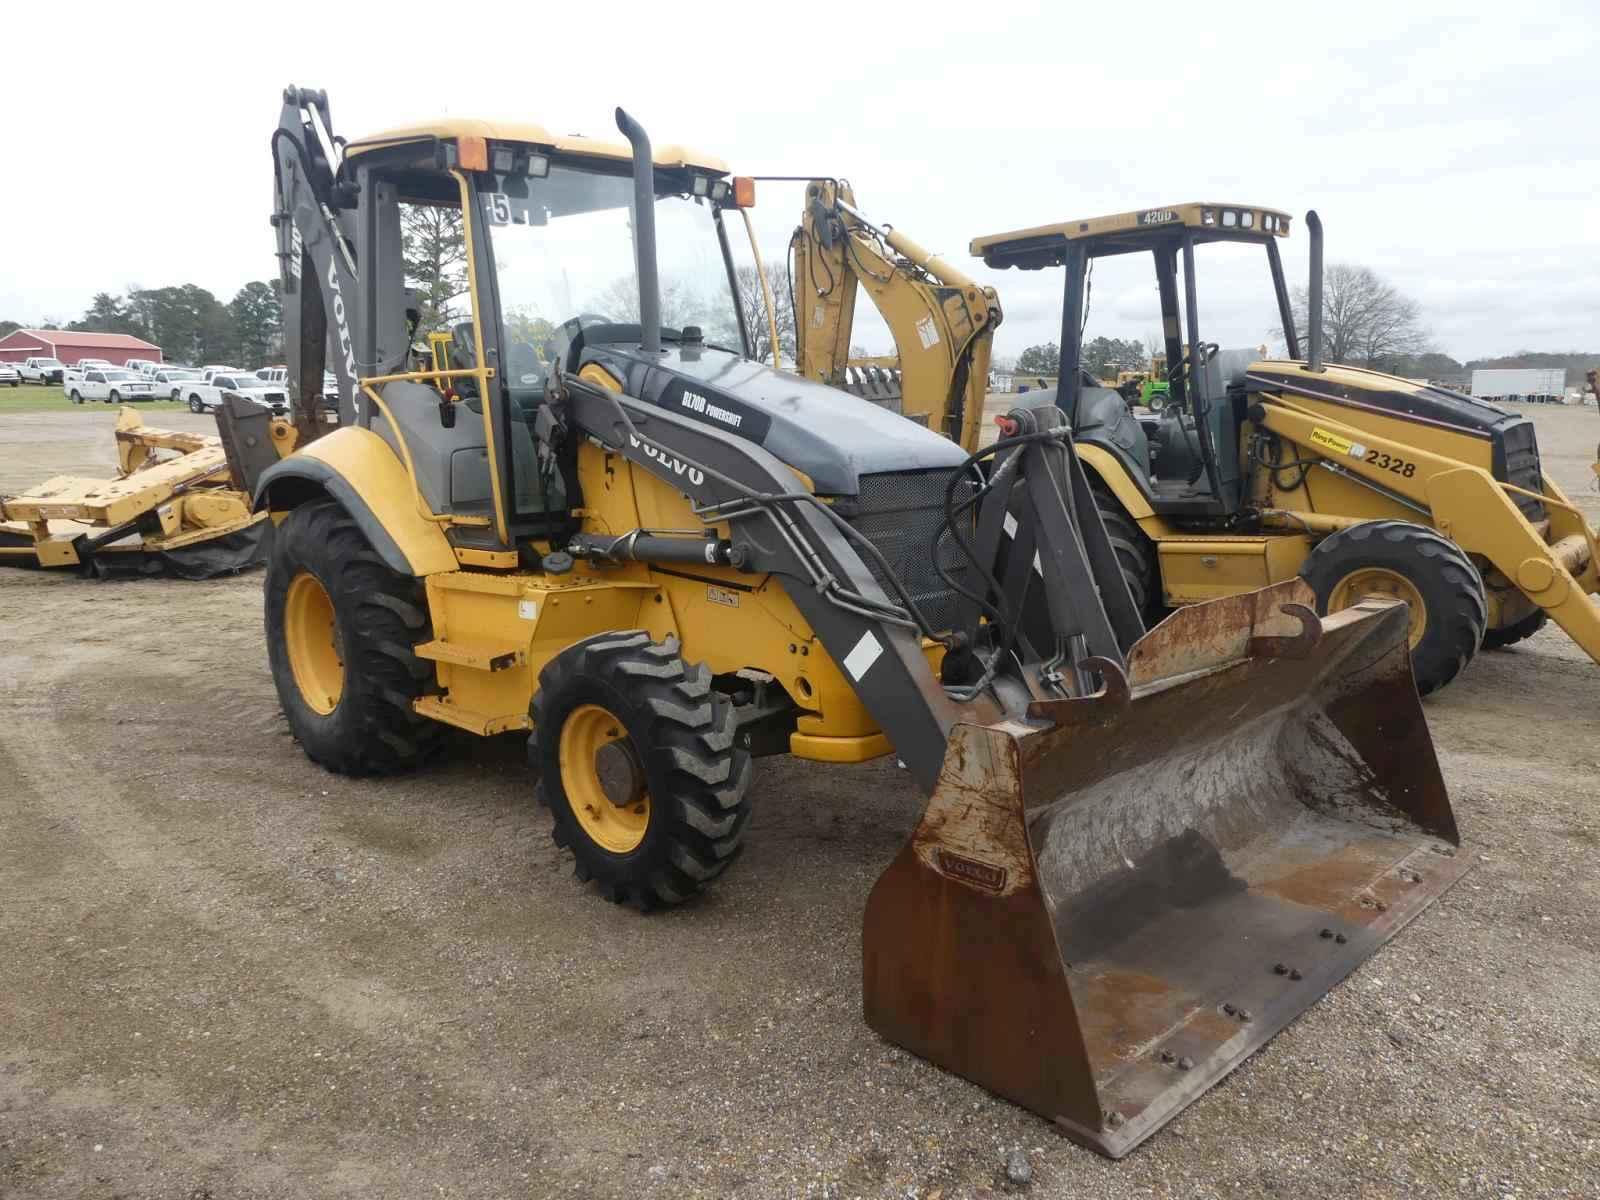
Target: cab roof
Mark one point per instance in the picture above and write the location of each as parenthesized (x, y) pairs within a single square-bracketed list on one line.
[(672, 156), (1042, 245)]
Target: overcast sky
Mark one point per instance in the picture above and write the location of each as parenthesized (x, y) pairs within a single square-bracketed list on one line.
[(1456, 153)]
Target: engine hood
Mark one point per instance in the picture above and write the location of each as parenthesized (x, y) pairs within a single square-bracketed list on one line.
[(834, 437)]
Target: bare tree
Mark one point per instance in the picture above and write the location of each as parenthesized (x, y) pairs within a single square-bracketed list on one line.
[(753, 307), (619, 301), (1154, 344), (1366, 320)]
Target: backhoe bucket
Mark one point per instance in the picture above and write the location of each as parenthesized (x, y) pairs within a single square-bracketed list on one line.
[(1108, 907)]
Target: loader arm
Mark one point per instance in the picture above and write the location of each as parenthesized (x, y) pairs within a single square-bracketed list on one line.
[(1465, 503), (942, 321)]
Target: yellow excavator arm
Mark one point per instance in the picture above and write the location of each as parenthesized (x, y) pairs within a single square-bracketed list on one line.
[(942, 321)]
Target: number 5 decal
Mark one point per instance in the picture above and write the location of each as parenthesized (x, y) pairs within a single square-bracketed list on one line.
[(499, 208)]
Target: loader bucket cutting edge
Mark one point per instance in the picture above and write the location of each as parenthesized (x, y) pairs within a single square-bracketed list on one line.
[(1109, 906)]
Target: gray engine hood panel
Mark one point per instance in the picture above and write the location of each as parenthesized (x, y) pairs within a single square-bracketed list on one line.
[(832, 436)]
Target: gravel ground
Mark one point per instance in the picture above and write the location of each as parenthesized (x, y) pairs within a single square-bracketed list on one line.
[(227, 974)]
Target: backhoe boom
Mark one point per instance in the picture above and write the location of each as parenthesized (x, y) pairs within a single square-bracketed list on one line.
[(942, 321)]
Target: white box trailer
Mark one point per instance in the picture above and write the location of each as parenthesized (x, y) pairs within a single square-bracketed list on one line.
[(1541, 384)]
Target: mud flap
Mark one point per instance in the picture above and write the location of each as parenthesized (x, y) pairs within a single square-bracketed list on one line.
[(1109, 906)]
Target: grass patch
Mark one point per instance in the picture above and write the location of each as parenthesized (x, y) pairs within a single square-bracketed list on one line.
[(32, 397)]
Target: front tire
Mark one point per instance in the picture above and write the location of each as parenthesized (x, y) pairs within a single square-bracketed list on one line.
[(341, 632), (638, 766), (77, 397), (1412, 562), (114, 397)]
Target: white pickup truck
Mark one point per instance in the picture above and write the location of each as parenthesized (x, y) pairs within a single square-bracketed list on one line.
[(41, 370), (111, 384), (206, 395)]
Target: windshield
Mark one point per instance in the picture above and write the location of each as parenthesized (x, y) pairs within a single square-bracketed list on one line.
[(120, 375), (563, 256), (49, 362)]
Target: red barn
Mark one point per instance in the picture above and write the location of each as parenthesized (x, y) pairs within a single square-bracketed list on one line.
[(70, 345)]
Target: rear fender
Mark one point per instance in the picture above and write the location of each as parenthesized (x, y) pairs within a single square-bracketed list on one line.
[(361, 471), (1114, 476)]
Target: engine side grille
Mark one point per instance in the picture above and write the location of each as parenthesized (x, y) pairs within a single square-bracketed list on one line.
[(1520, 446), (900, 513)]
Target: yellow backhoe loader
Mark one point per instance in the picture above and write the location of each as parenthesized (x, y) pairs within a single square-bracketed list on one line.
[(1261, 471), (173, 509), (942, 322), (1144, 851)]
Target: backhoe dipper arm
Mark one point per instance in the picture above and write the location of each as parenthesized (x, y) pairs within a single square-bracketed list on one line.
[(942, 321), (313, 214)]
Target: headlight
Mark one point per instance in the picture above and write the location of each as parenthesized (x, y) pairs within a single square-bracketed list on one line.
[(1229, 218), (702, 185), (1208, 216), (1246, 220)]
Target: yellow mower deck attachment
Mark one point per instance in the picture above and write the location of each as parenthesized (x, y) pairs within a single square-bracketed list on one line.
[(178, 515), (1109, 906)]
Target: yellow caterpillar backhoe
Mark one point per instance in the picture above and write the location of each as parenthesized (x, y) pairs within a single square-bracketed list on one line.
[(1260, 471), (174, 509), (1144, 852), (942, 322)]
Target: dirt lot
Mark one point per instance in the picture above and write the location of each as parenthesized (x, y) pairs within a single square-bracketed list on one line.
[(225, 974)]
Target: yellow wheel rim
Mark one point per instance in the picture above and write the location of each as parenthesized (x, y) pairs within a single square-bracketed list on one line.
[(1379, 581), (312, 637), (603, 780)]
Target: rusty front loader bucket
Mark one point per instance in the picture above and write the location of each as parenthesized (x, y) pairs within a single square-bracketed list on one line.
[(1106, 909)]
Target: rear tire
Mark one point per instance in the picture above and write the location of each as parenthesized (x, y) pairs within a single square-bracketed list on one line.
[(195, 406), (1499, 639), (362, 723), (1454, 611), (1136, 553), (674, 737)]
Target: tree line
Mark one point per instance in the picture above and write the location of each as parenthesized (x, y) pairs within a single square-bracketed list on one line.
[(188, 322), (1367, 322)]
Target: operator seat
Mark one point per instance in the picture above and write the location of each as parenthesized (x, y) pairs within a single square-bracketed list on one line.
[(1104, 419), (470, 464)]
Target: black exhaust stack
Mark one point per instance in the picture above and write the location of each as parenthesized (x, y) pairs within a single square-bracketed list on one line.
[(644, 232), (1314, 295)]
